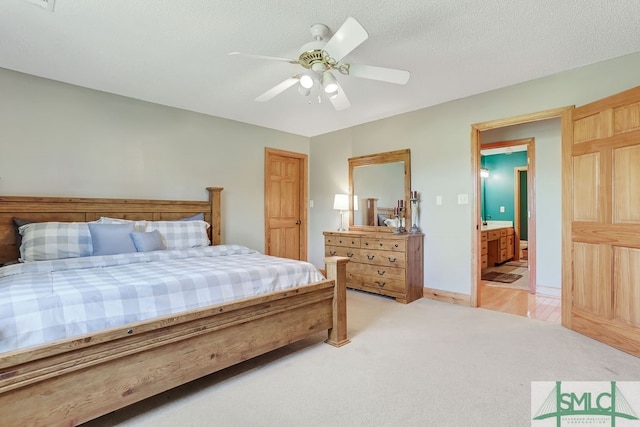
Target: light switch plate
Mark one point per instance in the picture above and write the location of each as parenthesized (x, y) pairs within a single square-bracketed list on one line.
[(463, 199), (438, 200)]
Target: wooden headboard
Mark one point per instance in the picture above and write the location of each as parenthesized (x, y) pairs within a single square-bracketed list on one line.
[(64, 209)]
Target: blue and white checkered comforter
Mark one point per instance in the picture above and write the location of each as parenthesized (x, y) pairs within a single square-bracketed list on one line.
[(43, 301)]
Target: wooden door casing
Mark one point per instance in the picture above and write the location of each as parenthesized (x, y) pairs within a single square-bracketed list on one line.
[(605, 220), (285, 204)]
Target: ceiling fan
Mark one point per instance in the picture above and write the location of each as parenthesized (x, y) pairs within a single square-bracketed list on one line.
[(321, 56)]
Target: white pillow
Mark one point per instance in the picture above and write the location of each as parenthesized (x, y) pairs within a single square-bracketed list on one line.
[(181, 234), (137, 225), (393, 222), (42, 241)]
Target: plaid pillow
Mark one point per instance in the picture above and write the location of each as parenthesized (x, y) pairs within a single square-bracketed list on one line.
[(181, 234), (43, 241)]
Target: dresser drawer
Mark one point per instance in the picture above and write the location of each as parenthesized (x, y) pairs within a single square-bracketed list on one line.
[(484, 247), (503, 232), (493, 235), (341, 251), (376, 271), (383, 245), (375, 284), (348, 241), (381, 258)]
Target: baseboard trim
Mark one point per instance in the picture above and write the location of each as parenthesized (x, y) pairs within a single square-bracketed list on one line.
[(447, 296)]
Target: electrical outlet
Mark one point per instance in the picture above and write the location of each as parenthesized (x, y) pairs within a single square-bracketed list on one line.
[(438, 200), (310, 203), (463, 199), (501, 209)]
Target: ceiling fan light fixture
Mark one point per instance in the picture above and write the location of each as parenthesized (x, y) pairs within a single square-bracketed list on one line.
[(304, 91), (329, 83), (306, 81)]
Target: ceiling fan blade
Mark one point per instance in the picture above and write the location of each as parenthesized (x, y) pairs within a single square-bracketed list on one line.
[(379, 73), (278, 89), (349, 36), (340, 100), (271, 58)]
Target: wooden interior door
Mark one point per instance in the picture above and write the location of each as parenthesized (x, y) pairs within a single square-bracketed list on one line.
[(605, 221), (285, 204)]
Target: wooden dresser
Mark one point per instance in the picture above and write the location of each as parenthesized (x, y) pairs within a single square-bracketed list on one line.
[(382, 263)]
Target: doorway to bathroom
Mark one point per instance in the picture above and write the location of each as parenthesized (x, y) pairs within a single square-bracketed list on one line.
[(534, 211)]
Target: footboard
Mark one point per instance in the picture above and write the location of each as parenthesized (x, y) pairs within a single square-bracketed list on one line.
[(72, 381)]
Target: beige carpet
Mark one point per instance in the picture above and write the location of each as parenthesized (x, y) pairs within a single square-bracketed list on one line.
[(424, 364)]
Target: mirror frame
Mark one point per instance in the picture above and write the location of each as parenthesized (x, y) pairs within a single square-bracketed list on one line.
[(377, 159)]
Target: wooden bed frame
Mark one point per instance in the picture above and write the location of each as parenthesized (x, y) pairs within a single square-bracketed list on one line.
[(72, 381)]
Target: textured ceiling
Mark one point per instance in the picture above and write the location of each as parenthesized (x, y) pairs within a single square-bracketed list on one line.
[(176, 52)]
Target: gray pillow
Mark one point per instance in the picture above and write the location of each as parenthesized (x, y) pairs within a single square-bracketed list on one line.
[(17, 223), (112, 239), (148, 241)]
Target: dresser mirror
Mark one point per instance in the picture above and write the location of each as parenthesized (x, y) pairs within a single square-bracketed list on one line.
[(378, 182)]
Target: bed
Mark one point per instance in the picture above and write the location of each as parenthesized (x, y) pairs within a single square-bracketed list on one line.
[(379, 216), (71, 380)]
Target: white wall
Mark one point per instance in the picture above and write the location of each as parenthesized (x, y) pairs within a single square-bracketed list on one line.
[(548, 188), (439, 140), (63, 140)]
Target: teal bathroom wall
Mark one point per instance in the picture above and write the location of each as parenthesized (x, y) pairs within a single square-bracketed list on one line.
[(497, 189)]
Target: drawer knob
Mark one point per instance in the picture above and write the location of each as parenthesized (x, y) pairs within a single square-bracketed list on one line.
[(353, 243), (392, 260), (366, 244), (370, 257), (381, 273), (380, 243), (332, 253), (349, 254), (340, 241), (396, 245), (381, 284)]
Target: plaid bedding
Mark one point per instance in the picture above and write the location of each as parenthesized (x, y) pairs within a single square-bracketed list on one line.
[(45, 301)]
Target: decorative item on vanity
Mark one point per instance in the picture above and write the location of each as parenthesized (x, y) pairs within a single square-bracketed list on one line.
[(414, 213), (341, 203), (398, 214)]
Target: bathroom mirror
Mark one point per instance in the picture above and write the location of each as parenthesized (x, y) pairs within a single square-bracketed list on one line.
[(378, 181)]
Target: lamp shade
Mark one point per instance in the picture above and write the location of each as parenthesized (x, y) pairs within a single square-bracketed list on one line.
[(341, 202), (306, 81), (329, 83)]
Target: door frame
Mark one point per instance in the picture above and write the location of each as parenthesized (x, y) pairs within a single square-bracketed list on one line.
[(304, 174), (531, 202), (517, 214), (564, 113)]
